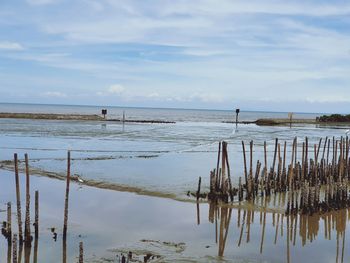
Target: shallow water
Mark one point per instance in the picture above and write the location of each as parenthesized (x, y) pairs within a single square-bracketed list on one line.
[(111, 222), (159, 158)]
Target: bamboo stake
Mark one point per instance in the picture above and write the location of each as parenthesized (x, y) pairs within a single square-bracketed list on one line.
[(36, 214), (245, 165), (14, 247), (27, 221), (9, 221), (81, 252), (18, 199), (217, 167), (67, 196)]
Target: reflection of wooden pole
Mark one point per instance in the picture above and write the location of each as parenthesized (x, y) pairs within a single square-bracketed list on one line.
[(27, 221), (198, 215), (337, 247), (225, 220), (288, 249), (216, 224), (18, 199), (263, 229), (343, 248), (242, 227), (276, 233)]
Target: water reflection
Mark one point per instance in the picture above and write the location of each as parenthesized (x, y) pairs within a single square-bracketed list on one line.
[(292, 232)]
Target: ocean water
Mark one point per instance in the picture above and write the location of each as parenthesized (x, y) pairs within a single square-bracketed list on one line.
[(159, 159)]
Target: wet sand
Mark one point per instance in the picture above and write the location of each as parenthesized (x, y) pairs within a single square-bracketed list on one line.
[(112, 222)]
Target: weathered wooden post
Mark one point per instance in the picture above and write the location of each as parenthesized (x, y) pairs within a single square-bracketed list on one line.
[(14, 249), (27, 219), (9, 221), (81, 252), (36, 214), (66, 197), (18, 199), (199, 187)]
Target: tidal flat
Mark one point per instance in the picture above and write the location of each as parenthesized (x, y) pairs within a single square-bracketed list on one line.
[(129, 192)]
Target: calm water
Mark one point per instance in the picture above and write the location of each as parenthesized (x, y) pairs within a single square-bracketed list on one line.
[(111, 222), (158, 158)]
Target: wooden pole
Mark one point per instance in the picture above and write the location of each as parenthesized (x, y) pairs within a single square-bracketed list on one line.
[(18, 199), (245, 165), (36, 214), (199, 187), (14, 249), (217, 167), (223, 167), (9, 221), (229, 176), (66, 196), (81, 252), (27, 219)]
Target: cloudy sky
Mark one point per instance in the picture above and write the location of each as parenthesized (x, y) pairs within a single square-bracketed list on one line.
[(274, 55)]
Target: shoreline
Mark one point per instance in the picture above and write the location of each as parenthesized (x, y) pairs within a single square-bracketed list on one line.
[(72, 117), (95, 117)]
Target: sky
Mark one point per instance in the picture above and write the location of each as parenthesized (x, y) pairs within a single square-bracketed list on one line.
[(269, 55)]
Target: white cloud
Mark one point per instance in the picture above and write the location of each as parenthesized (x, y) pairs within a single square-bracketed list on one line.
[(10, 45), (54, 94), (115, 89), (41, 2)]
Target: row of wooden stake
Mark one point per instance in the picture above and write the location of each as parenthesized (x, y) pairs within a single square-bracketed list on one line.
[(26, 240), (302, 180)]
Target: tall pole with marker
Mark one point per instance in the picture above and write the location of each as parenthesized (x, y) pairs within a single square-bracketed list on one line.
[(237, 112)]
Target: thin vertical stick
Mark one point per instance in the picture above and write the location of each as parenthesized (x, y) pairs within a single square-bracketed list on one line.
[(27, 221), (217, 167), (275, 155), (18, 199), (198, 215), (199, 187), (14, 247), (66, 196), (36, 214), (9, 221), (245, 165), (66, 201), (223, 167), (229, 176), (81, 252)]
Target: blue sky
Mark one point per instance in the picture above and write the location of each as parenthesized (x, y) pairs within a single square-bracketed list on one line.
[(257, 55)]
